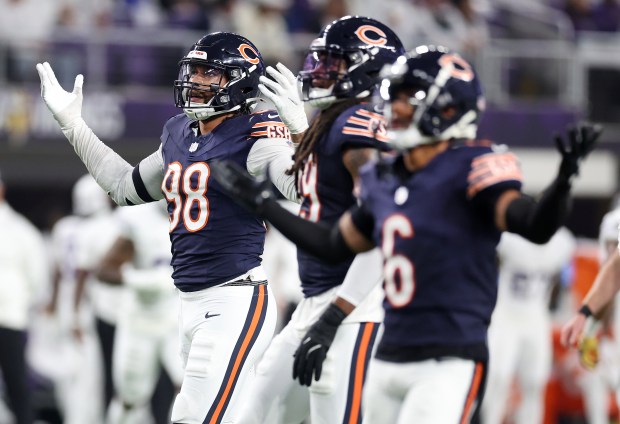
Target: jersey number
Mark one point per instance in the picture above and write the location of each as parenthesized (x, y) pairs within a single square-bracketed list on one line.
[(398, 269), (185, 194), (307, 185)]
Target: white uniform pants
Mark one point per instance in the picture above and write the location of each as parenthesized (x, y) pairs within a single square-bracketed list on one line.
[(224, 331), (445, 391)]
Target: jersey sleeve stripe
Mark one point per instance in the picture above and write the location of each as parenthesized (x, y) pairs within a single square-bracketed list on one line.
[(357, 131), (357, 121), (259, 134), (491, 169), (370, 114), (139, 185), (268, 124), (489, 181)]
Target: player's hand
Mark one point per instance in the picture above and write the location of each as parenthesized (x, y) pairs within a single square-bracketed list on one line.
[(66, 107), (581, 141), (572, 332), (283, 92), (251, 193), (313, 349)]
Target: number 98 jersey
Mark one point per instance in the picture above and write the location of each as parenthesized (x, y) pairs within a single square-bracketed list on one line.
[(213, 239)]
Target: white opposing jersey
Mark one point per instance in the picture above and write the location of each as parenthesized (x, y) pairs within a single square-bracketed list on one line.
[(147, 227), (97, 235), (608, 232), (526, 269)]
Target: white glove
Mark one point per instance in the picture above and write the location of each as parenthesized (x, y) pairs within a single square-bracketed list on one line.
[(66, 107), (284, 93)]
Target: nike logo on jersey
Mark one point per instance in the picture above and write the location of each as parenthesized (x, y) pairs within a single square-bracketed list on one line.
[(193, 147), (207, 316), (272, 116)]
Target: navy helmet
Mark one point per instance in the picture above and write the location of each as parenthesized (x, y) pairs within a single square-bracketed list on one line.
[(445, 91), (346, 58), (229, 55)]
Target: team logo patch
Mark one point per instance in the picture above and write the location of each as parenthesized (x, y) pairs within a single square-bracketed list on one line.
[(372, 35)]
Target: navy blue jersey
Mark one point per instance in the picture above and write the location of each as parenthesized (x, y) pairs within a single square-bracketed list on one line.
[(213, 238), (438, 237), (327, 188)]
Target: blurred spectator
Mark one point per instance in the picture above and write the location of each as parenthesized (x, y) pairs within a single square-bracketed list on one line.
[(97, 233), (23, 275), (25, 29), (303, 17), (606, 15), (188, 14), (262, 21), (86, 15), (453, 24), (78, 393), (580, 13)]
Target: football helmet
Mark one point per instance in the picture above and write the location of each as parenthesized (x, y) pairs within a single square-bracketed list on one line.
[(222, 54), (88, 198), (346, 58), (444, 90)]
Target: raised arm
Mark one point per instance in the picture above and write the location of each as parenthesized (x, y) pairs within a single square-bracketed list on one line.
[(125, 184), (538, 219)]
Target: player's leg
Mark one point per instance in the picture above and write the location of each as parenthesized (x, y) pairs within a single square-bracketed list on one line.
[(382, 395), (534, 371), (135, 372), (504, 351), (337, 396), (276, 398), (230, 327), (441, 391), (169, 357), (13, 365)]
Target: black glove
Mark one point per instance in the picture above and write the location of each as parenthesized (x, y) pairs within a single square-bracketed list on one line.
[(251, 193), (313, 349), (582, 139)]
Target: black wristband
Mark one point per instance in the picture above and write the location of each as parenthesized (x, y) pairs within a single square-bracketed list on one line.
[(333, 315), (585, 310)]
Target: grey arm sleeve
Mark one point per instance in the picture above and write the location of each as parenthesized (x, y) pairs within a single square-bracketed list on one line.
[(279, 155), (125, 184)]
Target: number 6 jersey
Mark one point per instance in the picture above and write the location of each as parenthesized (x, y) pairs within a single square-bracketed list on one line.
[(437, 232)]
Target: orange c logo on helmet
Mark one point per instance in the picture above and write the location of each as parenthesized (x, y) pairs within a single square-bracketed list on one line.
[(378, 38), (459, 68), (242, 49)]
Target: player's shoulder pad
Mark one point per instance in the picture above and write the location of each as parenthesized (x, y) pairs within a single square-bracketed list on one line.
[(175, 125), (360, 120), (267, 124)]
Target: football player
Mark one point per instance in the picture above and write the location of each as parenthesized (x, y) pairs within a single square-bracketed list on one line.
[(227, 316), (96, 235), (337, 78), (520, 335), (437, 211), (78, 391), (147, 330), (23, 277)]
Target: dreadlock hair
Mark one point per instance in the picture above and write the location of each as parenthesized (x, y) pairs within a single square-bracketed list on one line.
[(318, 128)]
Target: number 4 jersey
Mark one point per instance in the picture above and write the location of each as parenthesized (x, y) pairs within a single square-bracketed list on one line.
[(437, 231), (214, 239)]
